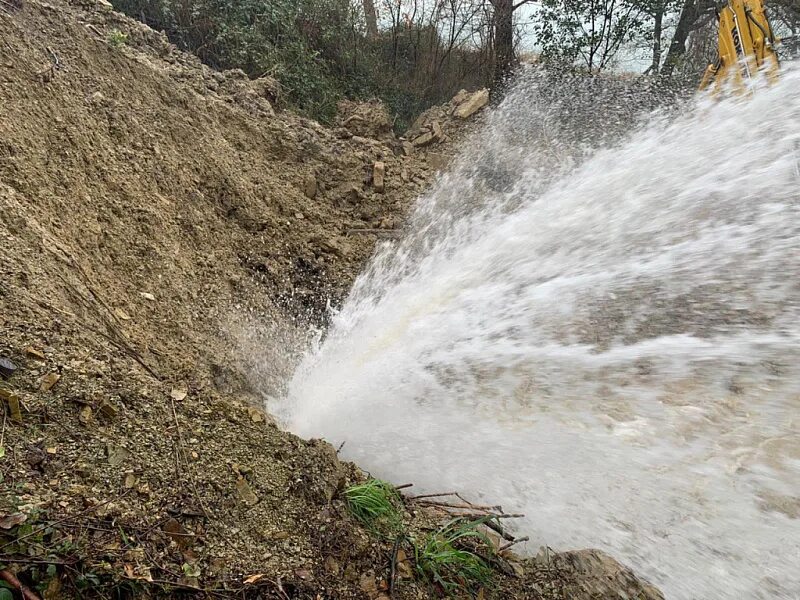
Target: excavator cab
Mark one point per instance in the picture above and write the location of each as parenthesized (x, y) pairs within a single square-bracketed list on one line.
[(746, 47)]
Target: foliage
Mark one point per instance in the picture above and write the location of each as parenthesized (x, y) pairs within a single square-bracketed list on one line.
[(590, 32), (375, 504), (320, 52), (445, 560)]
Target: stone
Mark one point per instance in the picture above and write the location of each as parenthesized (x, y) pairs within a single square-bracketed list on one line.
[(379, 176), (245, 492), (34, 353), (460, 96), (408, 148), (423, 140), (473, 104), (7, 367), (48, 381), (310, 185), (437, 131)]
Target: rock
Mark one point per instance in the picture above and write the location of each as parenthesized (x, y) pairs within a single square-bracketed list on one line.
[(48, 381), (85, 416), (437, 131), (147, 296), (367, 584), (116, 455), (408, 148), (310, 185), (121, 314), (403, 565), (460, 97), (108, 409), (13, 404), (423, 140), (472, 104), (7, 368), (245, 493), (179, 394), (34, 353), (366, 119), (378, 176), (331, 566), (592, 574)]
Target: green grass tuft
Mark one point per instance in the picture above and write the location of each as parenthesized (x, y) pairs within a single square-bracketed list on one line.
[(446, 561), (375, 504), (117, 38)]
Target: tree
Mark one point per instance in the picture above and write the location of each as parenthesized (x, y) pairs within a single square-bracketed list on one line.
[(371, 17), (503, 45), (590, 32), (689, 20)]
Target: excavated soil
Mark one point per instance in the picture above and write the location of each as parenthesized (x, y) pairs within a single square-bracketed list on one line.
[(167, 235)]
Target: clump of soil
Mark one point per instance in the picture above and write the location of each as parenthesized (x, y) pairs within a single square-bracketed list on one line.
[(158, 222)]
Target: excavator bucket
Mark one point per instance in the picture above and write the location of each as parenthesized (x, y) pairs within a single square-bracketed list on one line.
[(746, 47)]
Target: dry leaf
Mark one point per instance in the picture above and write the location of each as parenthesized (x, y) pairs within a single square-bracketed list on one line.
[(48, 381), (130, 480), (9, 521), (179, 394), (52, 450), (178, 533), (253, 578), (122, 315)]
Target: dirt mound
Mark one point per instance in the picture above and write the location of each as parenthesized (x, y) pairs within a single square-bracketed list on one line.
[(158, 220)]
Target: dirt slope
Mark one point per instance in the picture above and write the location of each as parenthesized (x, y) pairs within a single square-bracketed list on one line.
[(151, 211)]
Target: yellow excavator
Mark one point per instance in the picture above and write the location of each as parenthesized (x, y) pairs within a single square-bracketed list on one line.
[(746, 48)]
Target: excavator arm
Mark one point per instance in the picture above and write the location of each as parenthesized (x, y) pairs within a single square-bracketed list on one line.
[(746, 47)]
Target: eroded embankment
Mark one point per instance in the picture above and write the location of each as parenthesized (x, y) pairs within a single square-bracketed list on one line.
[(152, 212)]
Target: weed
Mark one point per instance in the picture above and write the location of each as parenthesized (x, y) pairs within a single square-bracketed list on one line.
[(445, 560), (374, 503), (117, 38)]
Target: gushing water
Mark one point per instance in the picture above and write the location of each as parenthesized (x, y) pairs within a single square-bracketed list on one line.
[(605, 340)]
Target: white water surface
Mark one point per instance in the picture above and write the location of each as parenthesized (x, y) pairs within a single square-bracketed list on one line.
[(601, 331)]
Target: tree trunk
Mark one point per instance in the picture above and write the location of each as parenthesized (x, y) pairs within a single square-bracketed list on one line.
[(657, 31), (503, 41), (372, 18), (690, 13)]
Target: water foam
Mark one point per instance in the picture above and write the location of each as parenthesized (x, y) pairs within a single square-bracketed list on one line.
[(607, 340)]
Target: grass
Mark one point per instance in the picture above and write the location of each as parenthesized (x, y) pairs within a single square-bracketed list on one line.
[(444, 560), (117, 38), (375, 504)]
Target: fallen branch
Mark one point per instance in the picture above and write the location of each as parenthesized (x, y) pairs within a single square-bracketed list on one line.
[(15, 583), (516, 541), (393, 568), (466, 506)]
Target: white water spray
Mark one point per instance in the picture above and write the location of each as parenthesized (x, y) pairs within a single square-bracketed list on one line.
[(611, 348)]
